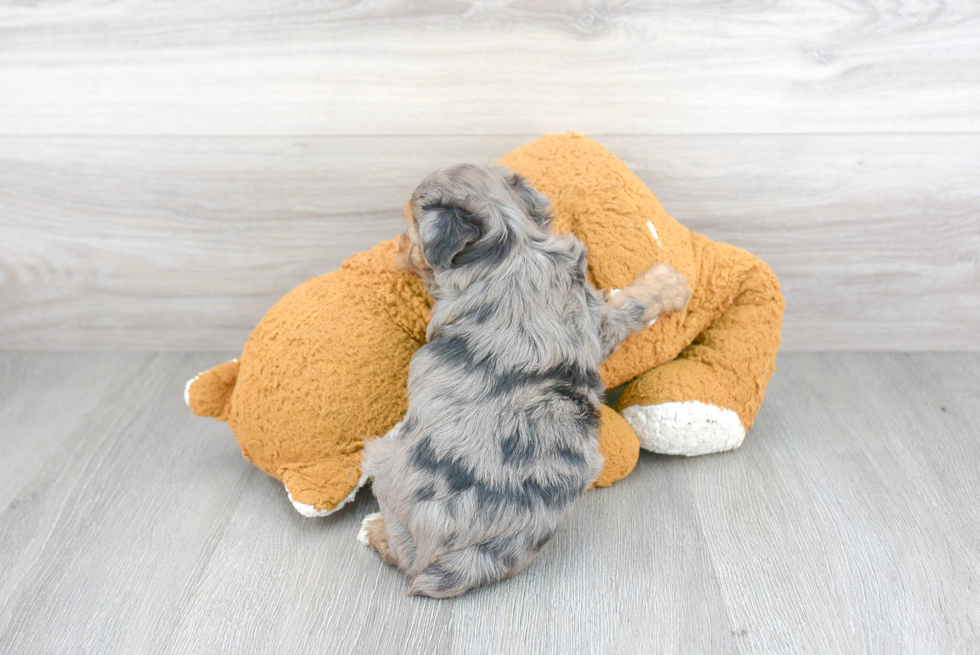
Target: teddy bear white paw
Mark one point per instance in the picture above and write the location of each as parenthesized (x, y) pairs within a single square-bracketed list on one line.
[(685, 428), (311, 512)]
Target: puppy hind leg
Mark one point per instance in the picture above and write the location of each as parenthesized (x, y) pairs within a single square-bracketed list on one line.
[(374, 534), (389, 539)]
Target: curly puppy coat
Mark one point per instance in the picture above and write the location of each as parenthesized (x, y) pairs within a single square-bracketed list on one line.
[(501, 433)]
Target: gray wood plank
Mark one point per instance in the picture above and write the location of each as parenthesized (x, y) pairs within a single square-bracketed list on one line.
[(184, 243), (847, 522), (461, 67), (148, 532), (610, 583), (42, 400), (100, 545)]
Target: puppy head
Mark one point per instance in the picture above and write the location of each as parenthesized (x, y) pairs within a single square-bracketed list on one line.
[(465, 214)]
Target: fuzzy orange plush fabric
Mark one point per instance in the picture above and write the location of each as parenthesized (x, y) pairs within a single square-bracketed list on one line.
[(327, 366)]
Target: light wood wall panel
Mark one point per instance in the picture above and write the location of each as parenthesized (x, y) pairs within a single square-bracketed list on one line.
[(471, 67), (169, 168), (183, 243)]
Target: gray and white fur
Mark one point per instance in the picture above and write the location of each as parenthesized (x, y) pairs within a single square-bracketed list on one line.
[(501, 433)]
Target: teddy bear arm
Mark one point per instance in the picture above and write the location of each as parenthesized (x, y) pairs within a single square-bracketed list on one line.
[(706, 399), (209, 392)]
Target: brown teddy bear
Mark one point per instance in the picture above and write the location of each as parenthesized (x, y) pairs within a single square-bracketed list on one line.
[(326, 368)]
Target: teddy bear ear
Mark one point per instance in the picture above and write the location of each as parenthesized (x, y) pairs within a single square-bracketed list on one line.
[(535, 203), (445, 231)]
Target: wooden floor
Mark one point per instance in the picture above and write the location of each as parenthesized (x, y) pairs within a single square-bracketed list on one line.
[(848, 522)]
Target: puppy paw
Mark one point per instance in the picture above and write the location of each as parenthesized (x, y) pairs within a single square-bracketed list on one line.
[(667, 288), (370, 525), (374, 533)]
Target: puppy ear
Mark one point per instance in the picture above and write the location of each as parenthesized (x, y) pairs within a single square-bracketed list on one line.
[(445, 231), (535, 203)]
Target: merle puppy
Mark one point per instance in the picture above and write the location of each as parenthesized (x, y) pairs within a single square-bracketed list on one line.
[(501, 433)]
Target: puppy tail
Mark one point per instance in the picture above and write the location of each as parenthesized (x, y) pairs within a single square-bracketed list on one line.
[(209, 393), (456, 572)]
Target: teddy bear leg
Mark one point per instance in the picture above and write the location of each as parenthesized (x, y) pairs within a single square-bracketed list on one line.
[(619, 446), (323, 487), (674, 413), (706, 399)]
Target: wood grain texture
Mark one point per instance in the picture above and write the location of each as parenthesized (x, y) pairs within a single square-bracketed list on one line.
[(845, 524), (857, 496), (184, 243), (148, 532), (473, 67)]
